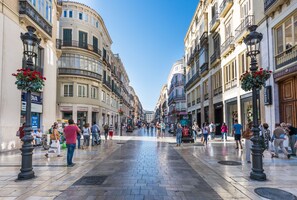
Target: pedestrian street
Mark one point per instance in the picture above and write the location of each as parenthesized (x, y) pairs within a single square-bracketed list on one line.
[(139, 166)]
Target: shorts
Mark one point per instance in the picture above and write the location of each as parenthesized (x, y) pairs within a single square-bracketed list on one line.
[(237, 136), (110, 133)]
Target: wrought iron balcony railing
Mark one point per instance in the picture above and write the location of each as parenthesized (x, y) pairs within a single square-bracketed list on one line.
[(286, 57), (217, 91), (225, 7), (215, 21), (246, 22), (79, 72), (82, 45), (227, 45), (216, 55)]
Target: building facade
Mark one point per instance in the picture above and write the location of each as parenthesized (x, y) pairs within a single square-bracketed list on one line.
[(92, 81), (278, 54), (216, 58), (15, 16), (176, 93), (149, 116)]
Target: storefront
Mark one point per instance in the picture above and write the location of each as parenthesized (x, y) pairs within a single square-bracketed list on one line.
[(246, 109), (199, 117), (36, 110), (206, 114), (231, 113), (218, 117)]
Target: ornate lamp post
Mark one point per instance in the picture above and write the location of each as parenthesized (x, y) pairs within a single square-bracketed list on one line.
[(30, 43), (252, 42)]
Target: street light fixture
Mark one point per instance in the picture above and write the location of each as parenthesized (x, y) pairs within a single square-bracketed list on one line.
[(252, 42), (30, 43)]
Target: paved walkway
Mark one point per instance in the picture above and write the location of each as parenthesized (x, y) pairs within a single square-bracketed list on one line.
[(138, 166)]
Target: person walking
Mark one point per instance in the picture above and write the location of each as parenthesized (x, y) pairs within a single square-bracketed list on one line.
[(86, 134), (55, 141), (279, 137), (106, 128), (95, 133), (195, 131), (21, 131), (178, 134), (267, 138), (247, 134), (110, 131), (152, 128), (212, 130), (205, 131), (292, 133), (237, 133), (163, 126), (158, 127), (70, 134), (79, 136), (147, 128), (224, 131)]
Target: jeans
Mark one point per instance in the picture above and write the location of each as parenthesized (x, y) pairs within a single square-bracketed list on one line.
[(70, 152), (248, 145), (279, 143), (205, 137), (194, 135), (224, 135), (212, 135), (78, 141), (86, 140), (178, 138), (292, 140), (95, 136)]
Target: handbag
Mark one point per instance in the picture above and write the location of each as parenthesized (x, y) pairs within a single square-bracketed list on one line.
[(54, 144)]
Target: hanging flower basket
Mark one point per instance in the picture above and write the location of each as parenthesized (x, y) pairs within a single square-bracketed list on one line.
[(257, 79), (120, 112), (29, 80)]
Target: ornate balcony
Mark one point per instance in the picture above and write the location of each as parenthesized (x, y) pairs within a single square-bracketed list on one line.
[(204, 68), (214, 23), (193, 80), (217, 91), (28, 13), (82, 45), (107, 84), (203, 39), (287, 57), (225, 7), (193, 103), (206, 96), (271, 6), (79, 72), (242, 30), (189, 104), (216, 56), (227, 46)]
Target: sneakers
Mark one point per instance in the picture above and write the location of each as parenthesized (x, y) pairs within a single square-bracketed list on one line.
[(59, 156), (71, 165), (46, 155)]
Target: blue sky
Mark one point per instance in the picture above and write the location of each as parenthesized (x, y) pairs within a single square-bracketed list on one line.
[(149, 36)]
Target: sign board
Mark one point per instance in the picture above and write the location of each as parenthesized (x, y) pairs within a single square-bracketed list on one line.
[(37, 108), (268, 95), (34, 98), (35, 121)]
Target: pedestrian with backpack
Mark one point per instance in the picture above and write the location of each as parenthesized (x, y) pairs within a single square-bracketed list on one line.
[(106, 128), (95, 133)]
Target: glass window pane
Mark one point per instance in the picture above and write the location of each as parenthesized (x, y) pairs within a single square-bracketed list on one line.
[(288, 34), (279, 38), (295, 29)]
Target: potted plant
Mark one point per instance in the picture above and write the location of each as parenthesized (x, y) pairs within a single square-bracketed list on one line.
[(257, 79)]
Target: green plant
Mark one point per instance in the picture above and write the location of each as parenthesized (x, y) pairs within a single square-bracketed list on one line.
[(29, 80), (257, 79), (120, 112)]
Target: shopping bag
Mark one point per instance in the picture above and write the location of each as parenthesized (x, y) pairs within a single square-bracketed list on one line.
[(64, 146)]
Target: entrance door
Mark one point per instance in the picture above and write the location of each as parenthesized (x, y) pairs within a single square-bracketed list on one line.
[(218, 118), (288, 101)]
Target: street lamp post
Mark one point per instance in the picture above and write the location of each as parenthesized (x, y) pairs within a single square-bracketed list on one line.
[(30, 43), (252, 42)]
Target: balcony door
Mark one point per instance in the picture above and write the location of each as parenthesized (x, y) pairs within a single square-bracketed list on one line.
[(83, 39), (67, 37), (95, 44), (288, 101)]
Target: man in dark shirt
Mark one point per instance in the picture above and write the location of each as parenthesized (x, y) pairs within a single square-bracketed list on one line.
[(292, 138)]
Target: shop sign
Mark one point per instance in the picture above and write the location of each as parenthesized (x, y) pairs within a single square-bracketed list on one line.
[(268, 95), (37, 108), (65, 108), (82, 109), (34, 98), (95, 109), (35, 121)]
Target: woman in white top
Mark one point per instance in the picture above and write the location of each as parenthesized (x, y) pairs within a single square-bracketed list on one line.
[(86, 134)]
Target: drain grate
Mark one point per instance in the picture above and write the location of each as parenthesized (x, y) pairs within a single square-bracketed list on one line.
[(121, 142), (274, 193), (229, 162), (90, 180)]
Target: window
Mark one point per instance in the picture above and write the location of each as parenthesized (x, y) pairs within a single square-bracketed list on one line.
[(82, 90), (108, 99), (33, 2), (83, 39), (244, 63), (286, 35), (86, 17), (67, 89), (65, 13), (228, 30), (80, 16), (67, 37), (97, 24), (94, 92), (70, 13), (103, 97), (230, 75), (217, 82), (205, 87)]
